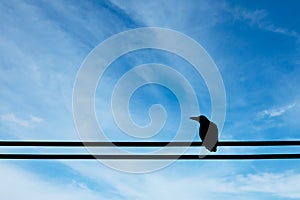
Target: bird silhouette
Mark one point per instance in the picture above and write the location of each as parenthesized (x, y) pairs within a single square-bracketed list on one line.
[(208, 132)]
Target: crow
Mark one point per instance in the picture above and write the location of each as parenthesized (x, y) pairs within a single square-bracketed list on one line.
[(208, 132)]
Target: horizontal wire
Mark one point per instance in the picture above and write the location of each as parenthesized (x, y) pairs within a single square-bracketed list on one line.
[(140, 144), (143, 156), (146, 157)]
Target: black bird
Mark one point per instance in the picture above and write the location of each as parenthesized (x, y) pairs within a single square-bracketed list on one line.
[(208, 132)]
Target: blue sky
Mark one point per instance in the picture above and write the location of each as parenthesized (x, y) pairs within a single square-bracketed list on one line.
[(255, 45)]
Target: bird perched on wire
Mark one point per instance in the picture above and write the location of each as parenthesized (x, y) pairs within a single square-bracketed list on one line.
[(208, 132)]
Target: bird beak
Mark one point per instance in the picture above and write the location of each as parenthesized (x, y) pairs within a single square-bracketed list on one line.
[(195, 118)]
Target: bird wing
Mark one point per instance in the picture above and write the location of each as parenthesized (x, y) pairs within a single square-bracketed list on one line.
[(211, 138)]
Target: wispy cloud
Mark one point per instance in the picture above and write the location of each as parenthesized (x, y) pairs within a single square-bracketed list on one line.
[(276, 112), (17, 183), (35, 119), (213, 184), (29, 123), (272, 117), (260, 19), (253, 16), (165, 184), (278, 184)]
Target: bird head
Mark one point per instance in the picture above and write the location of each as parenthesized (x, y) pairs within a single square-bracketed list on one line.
[(200, 119)]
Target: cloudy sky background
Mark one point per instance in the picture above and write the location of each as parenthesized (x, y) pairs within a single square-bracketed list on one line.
[(255, 45)]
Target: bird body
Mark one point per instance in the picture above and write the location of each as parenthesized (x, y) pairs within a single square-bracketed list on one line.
[(208, 133)]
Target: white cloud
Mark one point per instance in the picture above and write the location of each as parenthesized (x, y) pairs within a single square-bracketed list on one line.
[(272, 117), (17, 183), (177, 182), (30, 123), (12, 118), (253, 16), (188, 182), (276, 112), (260, 19), (284, 185), (36, 119), (281, 30), (182, 16)]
